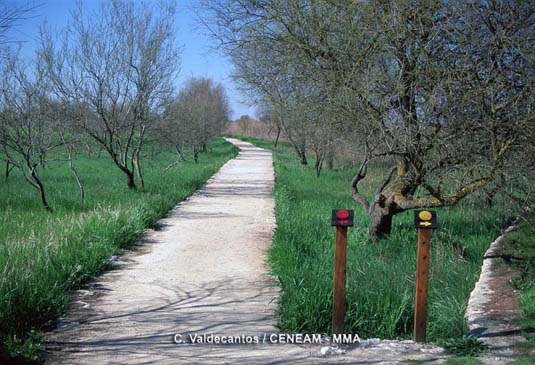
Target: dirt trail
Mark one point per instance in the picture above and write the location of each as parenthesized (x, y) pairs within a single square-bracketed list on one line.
[(493, 309), (202, 272)]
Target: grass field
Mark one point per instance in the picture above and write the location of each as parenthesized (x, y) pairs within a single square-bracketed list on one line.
[(380, 277), (43, 255)]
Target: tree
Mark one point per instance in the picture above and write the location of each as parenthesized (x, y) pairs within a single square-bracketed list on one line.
[(62, 116), (10, 15), (198, 113), (120, 63), (267, 116), (244, 123), (27, 133), (442, 89)]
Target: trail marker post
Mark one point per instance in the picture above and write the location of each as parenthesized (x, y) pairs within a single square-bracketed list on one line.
[(341, 219), (424, 220)]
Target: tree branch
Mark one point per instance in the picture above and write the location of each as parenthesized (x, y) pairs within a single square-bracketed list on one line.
[(452, 199), (361, 174)]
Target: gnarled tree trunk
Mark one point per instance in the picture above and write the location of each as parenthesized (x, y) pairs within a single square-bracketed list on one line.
[(380, 223), (396, 194)]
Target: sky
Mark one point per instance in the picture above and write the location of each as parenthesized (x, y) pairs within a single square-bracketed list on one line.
[(198, 59)]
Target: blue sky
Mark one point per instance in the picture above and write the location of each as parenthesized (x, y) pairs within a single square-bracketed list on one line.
[(198, 60)]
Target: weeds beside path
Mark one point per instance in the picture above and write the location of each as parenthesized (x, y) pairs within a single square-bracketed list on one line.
[(203, 273), (43, 256), (380, 277)]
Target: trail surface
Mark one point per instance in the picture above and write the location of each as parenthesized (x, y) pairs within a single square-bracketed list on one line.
[(493, 311), (202, 272)]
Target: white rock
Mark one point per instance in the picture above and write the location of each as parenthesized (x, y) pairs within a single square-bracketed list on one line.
[(83, 304), (67, 324), (84, 293), (330, 350), (370, 342)]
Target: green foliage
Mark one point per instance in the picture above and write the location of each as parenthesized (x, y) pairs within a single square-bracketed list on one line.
[(43, 255), (29, 347), (464, 346), (527, 302), (380, 277)]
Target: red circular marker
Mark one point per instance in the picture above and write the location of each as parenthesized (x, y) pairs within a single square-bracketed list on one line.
[(342, 214)]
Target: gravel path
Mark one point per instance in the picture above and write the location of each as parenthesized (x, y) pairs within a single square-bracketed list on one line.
[(493, 309), (202, 272)]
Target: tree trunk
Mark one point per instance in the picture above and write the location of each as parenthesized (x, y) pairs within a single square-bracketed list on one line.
[(380, 223), (330, 157), (8, 170), (42, 160), (318, 164), (139, 174), (195, 153), (303, 159), (130, 179), (180, 152), (75, 173), (73, 169), (41, 189), (301, 150), (330, 163), (276, 142), (489, 197)]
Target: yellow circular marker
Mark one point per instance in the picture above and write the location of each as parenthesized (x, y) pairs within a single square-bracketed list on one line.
[(425, 215)]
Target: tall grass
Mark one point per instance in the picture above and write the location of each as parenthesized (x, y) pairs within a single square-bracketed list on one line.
[(521, 245), (43, 255), (380, 277)]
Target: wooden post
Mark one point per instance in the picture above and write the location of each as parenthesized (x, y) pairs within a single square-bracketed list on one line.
[(339, 293), (422, 278)]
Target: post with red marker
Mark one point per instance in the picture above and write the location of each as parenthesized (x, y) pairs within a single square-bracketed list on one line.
[(341, 219)]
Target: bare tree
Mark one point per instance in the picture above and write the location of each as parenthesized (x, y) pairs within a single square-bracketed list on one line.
[(120, 63), (443, 89), (199, 112), (259, 78), (244, 122), (266, 115), (62, 116), (10, 15), (26, 128)]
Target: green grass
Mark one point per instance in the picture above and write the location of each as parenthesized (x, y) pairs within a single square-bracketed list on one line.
[(43, 255), (462, 361), (464, 346), (380, 277), (521, 245), (523, 360)]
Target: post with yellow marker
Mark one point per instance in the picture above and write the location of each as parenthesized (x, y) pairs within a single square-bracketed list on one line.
[(424, 220)]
